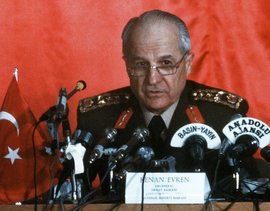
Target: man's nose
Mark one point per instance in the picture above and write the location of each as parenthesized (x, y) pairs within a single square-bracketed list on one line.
[(153, 76)]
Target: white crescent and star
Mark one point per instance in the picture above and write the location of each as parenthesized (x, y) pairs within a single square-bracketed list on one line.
[(12, 154)]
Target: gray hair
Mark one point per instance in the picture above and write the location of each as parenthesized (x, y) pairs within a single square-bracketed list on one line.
[(157, 15)]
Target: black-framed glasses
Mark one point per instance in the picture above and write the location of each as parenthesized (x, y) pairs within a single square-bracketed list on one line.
[(163, 70)]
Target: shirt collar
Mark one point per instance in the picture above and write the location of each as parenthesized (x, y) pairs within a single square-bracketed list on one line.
[(166, 115)]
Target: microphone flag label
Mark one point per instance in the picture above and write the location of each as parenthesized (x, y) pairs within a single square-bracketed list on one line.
[(248, 126), (16, 152), (208, 133)]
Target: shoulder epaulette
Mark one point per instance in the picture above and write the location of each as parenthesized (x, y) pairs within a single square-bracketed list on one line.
[(218, 96), (102, 100)]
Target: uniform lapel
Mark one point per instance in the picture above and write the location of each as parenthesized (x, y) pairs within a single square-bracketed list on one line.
[(179, 117)]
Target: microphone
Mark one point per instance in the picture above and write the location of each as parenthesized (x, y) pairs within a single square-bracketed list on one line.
[(248, 134), (167, 164), (80, 85), (255, 134), (61, 105), (81, 140), (139, 135), (66, 130), (245, 145), (109, 151), (265, 153), (76, 135), (196, 138), (76, 151), (85, 138), (195, 147), (109, 137), (226, 143), (143, 157), (62, 101)]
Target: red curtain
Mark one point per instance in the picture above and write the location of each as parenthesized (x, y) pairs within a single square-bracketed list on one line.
[(56, 43)]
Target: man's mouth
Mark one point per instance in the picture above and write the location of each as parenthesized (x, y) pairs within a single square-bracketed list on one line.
[(153, 93)]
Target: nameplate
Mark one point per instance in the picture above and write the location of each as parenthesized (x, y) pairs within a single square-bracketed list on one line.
[(166, 188)]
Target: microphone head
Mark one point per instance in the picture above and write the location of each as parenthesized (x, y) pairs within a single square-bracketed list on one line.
[(195, 147), (138, 137), (85, 138), (141, 134), (235, 116), (245, 145), (98, 151), (76, 134), (143, 157), (80, 85), (110, 134), (196, 140), (147, 153)]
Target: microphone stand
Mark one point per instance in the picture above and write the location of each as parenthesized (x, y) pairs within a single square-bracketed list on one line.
[(236, 174), (74, 187), (112, 190), (55, 118), (68, 140)]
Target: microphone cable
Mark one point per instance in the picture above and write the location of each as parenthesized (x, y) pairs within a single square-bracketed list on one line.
[(255, 202), (214, 183), (142, 200), (51, 186), (35, 165), (83, 202), (35, 171), (242, 196), (207, 201)]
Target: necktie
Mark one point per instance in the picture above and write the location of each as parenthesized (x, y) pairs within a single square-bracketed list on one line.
[(157, 129)]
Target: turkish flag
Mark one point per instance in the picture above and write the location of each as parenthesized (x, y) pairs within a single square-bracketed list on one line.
[(17, 124)]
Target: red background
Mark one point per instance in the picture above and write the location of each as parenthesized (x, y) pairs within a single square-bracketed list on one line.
[(55, 43)]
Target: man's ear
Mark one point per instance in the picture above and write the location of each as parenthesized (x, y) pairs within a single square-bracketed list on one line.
[(189, 61)]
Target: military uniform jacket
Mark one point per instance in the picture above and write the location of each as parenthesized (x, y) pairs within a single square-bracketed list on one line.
[(119, 108)]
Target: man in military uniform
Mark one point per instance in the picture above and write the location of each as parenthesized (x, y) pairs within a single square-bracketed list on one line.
[(156, 51)]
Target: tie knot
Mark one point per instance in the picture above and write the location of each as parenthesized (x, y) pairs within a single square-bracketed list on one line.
[(157, 123)]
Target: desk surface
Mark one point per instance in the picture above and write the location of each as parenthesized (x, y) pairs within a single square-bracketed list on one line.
[(216, 206)]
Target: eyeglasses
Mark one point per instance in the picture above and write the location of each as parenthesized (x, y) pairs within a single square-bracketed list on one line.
[(163, 70)]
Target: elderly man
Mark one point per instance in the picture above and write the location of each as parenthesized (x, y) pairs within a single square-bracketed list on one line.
[(156, 51)]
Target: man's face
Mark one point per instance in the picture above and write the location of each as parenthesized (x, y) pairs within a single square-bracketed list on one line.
[(157, 45)]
